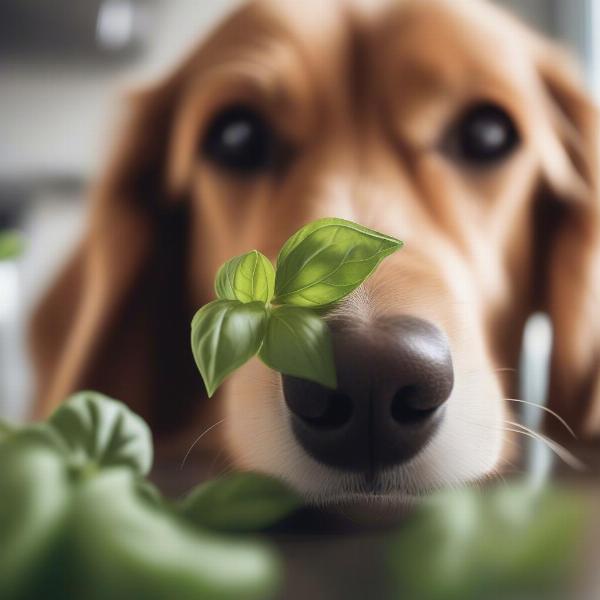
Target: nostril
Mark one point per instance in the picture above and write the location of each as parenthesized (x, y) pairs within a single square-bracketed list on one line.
[(317, 407), (408, 406), (338, 411)]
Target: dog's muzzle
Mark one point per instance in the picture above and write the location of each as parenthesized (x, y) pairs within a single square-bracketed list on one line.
[(394, 378)]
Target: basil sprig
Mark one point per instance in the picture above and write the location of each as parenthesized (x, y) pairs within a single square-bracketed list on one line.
[(270, 312)]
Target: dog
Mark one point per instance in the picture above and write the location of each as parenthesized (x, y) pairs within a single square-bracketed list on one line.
[(447, 124)]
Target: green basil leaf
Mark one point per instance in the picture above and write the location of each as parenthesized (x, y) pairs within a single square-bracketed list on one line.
[(240, 502), (247, 278), (34, 498), (11, 244), (298, 342), (328, 259), (38, 434), (103, 432), (122, 547), (225, 335)]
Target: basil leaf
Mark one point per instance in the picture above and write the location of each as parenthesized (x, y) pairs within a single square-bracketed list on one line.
[(37, 434), (225, 335), (298, 342), (247, 278), (103, 432), (11, 244), (34, 498), (122, 547), (240, 502), (328, 259)]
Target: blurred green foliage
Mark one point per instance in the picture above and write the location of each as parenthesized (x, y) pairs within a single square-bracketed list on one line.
[(240, 502), (78, 520), (507, 542), (11, 244)]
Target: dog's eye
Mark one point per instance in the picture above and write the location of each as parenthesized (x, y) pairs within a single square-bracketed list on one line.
[(484, 135), (239, 139)]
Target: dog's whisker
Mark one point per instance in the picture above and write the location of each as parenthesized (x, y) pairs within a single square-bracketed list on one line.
[(219, 456), (514, 468), (484, 370), (496, 473), (205, 432), (228, 469), (555, 447), (547, 410), (560, 451)]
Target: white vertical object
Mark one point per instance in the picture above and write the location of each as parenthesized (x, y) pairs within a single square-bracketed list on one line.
[(578, 24), (12, 373), (594, 47), (534, 373)]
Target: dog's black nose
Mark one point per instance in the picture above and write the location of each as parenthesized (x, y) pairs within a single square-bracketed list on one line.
[(394, 377)]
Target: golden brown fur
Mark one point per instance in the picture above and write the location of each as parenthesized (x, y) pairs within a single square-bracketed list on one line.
[(363, 93)]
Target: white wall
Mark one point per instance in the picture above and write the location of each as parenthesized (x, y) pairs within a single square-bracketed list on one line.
[(55, 120), (54, 117)]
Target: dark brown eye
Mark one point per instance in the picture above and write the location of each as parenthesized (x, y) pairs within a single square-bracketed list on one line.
[(484, 135), (239, 139)]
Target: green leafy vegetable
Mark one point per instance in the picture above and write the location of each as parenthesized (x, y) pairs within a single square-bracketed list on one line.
[(34, 493), (130, 549), (78, 520), (298, 342), (240, 502), (247, 278), (225, 335), (318, 266), (103, 432), (508, 542), (327, 260), (11, 244)]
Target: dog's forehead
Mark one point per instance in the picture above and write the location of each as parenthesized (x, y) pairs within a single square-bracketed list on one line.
[(440, 39), (462, 24)]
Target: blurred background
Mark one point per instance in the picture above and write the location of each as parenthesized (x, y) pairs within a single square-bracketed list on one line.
[(63, 69)]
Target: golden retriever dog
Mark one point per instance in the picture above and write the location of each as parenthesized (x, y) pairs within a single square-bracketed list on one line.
[(445, 123)]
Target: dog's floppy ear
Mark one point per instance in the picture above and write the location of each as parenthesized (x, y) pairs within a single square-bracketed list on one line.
[(569, 253), (117, 320)]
